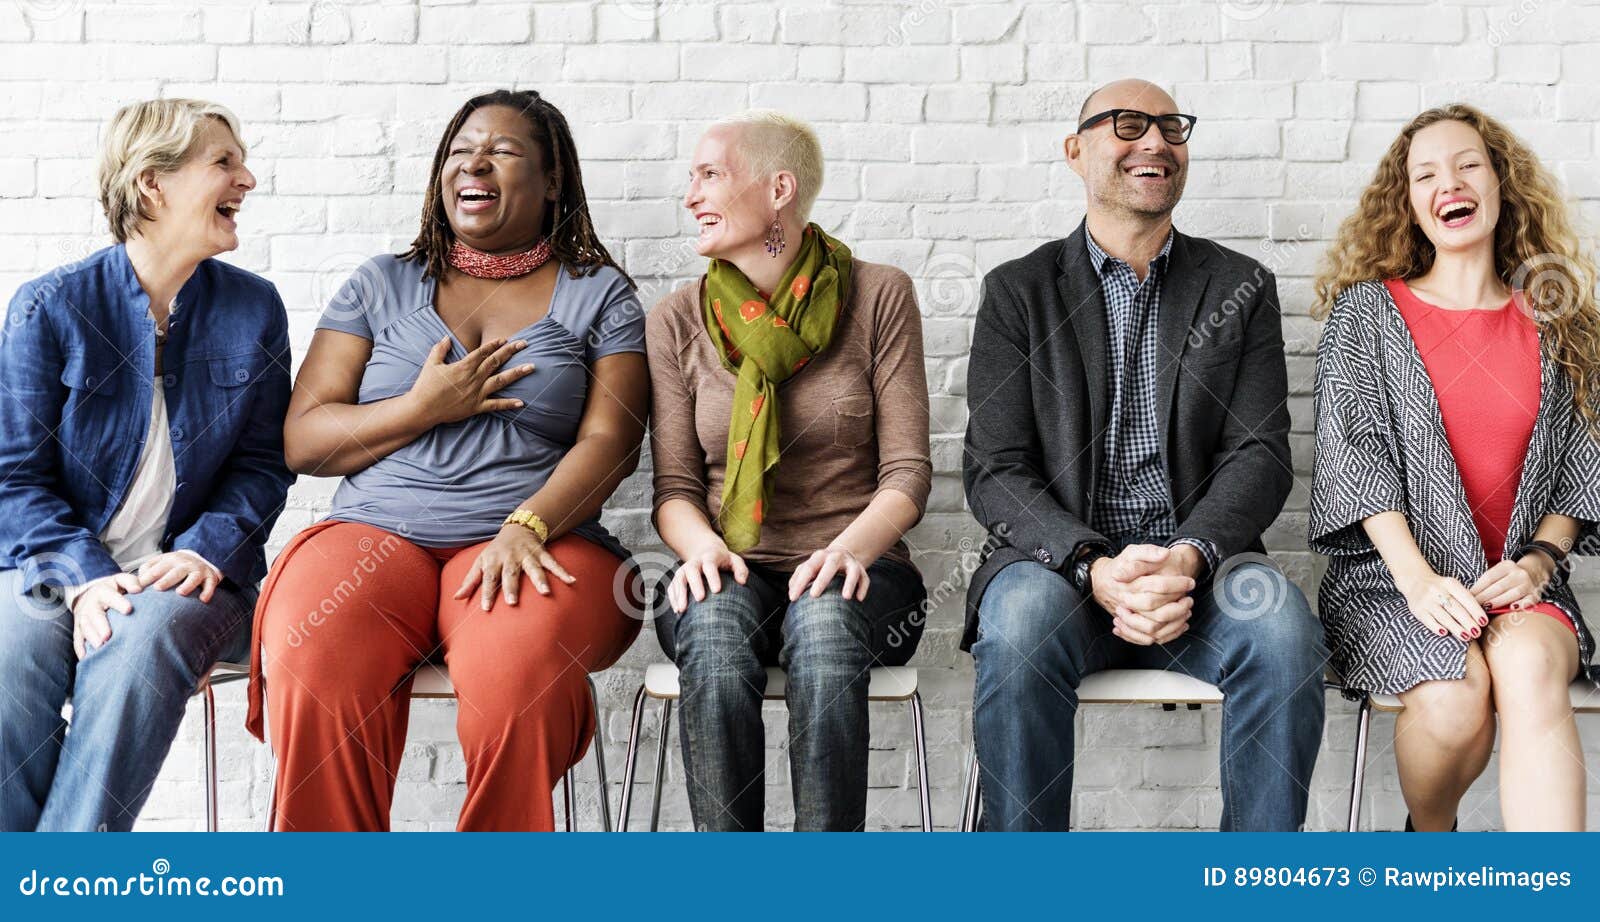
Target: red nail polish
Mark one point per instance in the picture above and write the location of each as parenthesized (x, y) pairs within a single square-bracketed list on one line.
[(1464, 635), (1443, 632), (1483, 621)]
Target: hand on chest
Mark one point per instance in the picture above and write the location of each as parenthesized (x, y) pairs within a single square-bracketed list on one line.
[(474, 315)]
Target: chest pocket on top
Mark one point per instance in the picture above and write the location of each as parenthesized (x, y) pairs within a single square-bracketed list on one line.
[(852, 420)]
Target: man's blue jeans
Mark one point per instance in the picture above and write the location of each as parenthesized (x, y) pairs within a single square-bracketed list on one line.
[(1251, 634), (128, 698), (827, 646)]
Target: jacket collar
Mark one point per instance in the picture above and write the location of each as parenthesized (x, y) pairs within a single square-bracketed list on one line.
[(1183, 284)]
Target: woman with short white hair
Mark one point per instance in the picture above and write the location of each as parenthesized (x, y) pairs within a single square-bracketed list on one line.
[(789, 436), (142, 396)]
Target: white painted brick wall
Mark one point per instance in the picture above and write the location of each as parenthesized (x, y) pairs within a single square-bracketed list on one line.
[(942, 121)]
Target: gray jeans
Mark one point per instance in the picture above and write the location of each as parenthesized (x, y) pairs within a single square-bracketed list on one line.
[(826, 645)]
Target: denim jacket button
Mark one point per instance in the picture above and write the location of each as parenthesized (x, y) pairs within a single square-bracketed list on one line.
[(1043, 556)]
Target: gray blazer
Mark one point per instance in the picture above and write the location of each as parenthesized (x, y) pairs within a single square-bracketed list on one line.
[(1381, 445), (1039, 393)]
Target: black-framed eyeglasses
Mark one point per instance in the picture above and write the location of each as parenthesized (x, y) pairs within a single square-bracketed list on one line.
[(1131, 124)]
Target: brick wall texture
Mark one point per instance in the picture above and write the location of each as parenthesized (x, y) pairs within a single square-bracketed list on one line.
[(942, 123)]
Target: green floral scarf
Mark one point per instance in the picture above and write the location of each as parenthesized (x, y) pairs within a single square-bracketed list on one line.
[(764, 342)]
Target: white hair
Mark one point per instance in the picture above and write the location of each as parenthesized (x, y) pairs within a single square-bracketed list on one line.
[(772, 142)]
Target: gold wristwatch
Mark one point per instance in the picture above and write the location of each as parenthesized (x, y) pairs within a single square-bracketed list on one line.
[(529, 521)]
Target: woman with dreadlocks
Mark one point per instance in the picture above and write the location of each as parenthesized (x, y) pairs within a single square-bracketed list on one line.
[(482, 395)]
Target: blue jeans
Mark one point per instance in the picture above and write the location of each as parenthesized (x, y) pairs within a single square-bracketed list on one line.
[(1251, 634), (128, 698), (826, 645)]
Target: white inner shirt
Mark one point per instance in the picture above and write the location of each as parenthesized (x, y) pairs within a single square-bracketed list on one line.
[(133, 536)]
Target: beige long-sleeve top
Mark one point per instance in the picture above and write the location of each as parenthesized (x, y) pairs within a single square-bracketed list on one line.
[(853, 422)]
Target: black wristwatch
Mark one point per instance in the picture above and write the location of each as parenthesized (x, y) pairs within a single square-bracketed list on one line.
[(1078, 576)]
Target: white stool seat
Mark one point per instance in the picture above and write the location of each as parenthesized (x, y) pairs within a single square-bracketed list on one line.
[(1146, 686), (1585, 699), (887, 683), (432, 681)]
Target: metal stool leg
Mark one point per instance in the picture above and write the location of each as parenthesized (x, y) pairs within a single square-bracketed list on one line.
[(970, 806), (211, 758), (920, 739), (661, 764), (272, 771), (1359, 772), (630, 761), (569, 800), (272, 794), (600, 759)]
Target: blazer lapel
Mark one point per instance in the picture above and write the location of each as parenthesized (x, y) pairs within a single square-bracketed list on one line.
[(1085, 307), (1181, 293)]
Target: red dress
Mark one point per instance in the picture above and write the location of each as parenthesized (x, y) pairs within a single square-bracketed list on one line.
[(1484, 365)]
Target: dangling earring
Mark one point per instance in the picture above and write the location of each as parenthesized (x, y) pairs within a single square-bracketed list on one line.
[(775, 241)]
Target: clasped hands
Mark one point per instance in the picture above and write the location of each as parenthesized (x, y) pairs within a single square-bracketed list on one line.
[(1147, 589)]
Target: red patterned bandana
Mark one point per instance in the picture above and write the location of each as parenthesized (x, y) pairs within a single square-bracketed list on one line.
[(479, 264)]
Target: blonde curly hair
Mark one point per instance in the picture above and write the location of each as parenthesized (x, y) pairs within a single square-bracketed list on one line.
[(1536, 248)]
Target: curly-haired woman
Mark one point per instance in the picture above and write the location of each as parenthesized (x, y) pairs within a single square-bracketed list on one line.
[(1457, 465), (466, 523)]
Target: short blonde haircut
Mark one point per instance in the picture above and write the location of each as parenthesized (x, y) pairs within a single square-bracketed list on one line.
[(158, 135), (773, 142)]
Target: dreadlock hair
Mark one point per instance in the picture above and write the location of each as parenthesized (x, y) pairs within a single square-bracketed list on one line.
[(568, 224)]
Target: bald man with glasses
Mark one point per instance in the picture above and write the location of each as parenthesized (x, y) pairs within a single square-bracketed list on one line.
[(1127, 445)]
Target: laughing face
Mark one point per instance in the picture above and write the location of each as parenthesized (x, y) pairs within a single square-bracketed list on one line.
[(729, 202), (1142, 177), (1454, 190), (200, 200), (495, 183)]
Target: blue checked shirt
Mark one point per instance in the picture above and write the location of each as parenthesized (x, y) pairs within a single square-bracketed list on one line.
[(1133, 494)]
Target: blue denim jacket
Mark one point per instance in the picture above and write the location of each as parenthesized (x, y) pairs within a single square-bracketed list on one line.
[(77, 360)]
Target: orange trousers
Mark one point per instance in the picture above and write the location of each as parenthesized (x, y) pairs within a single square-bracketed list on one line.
[(349, 612)]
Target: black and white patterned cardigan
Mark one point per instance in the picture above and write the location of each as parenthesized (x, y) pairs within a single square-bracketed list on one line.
[(1381, 445)]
